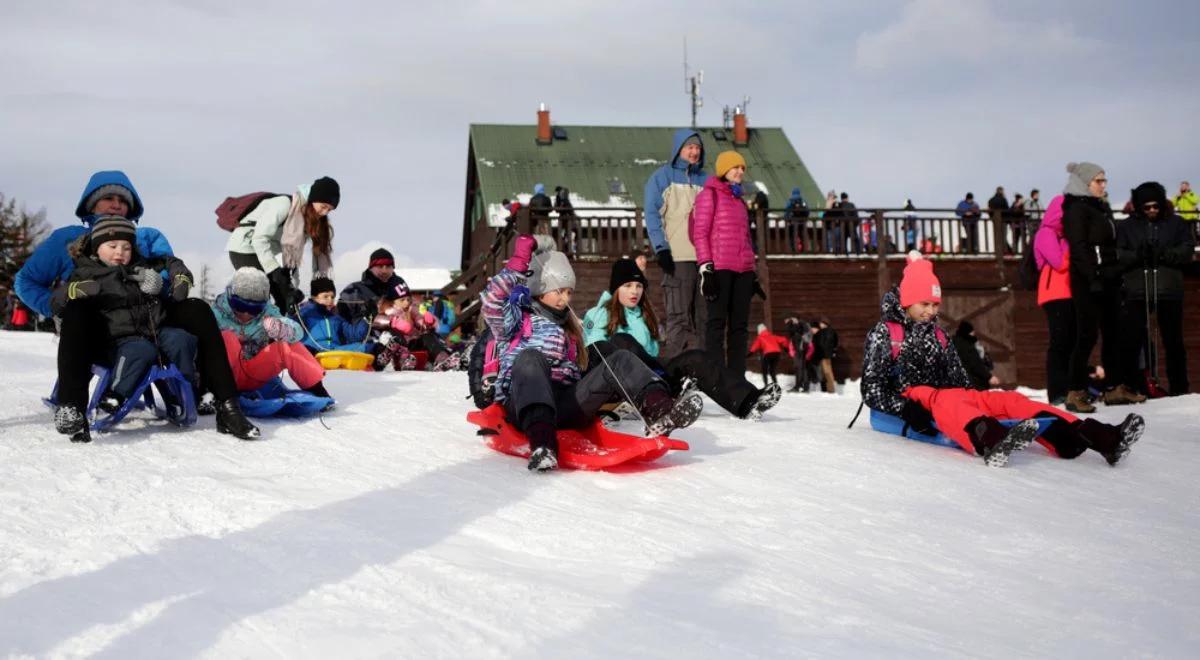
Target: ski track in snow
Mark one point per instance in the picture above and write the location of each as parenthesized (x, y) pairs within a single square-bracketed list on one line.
[(398, 533)]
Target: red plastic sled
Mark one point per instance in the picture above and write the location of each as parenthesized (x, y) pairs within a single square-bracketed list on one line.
[(593, 448)]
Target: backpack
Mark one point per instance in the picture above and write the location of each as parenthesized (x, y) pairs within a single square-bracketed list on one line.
[(1027, 270), (484, 365), (233, 210), (896, 332)]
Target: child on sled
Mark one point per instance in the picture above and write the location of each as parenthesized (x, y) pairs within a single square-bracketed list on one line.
[(324, 329), (912, 371), (624, 320), (125, 288), (260, 342), (404, 328), (541, 380)]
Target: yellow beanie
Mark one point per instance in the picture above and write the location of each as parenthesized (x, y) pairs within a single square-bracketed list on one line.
[(727, 160)]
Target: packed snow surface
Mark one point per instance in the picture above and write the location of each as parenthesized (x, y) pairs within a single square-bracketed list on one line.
[(397, 533)]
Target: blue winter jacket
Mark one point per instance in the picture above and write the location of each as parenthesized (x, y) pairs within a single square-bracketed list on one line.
[(50, 264), (676, 172), (327, 331)]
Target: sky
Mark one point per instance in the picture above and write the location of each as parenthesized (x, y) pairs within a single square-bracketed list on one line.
[(885, 99)]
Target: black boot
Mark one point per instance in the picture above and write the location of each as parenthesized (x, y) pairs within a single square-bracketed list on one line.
[(70, 420), (664, 414), (319, 390), (766, 400), (543, 443), (995, 442), (1112, 442), (110, 402), (231, 420), (1063, 436)]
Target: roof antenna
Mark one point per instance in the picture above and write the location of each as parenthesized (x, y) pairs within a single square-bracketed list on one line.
[(691, 85)]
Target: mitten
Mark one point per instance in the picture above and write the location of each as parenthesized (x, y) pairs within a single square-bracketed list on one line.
[(430, 320), (666, 262), (709, 287), (520, 297), (918, 418), (277, 329), (181, 281), (401, 324), (149, 281), (525, 246)]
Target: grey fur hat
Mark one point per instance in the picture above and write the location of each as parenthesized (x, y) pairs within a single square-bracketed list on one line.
[(550, 271), (250, 284)]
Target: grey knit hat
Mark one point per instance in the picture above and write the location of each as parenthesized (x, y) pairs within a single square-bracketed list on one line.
[(1080, 175), (104, 191), (250, 284), (550, 271)]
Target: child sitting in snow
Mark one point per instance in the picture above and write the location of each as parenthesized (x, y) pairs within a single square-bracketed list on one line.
[(541, 381), (125, 288), (624, 320), (922, 381), (404, 328), (260, 342), (324, 329)]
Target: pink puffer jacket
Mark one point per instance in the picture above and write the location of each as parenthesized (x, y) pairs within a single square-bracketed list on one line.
[(719, 227)]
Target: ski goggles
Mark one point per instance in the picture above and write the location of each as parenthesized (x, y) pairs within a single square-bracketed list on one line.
[(239, 304)]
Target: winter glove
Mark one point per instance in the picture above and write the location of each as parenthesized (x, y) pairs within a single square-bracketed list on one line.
[(277, 329), (708, 282), (918, 418), (666, 263), (68, 291), (401, 324), (430, 320), (286, 296), (149, 281), (758, 290), (520, 297), (181, 281), (519, 261)]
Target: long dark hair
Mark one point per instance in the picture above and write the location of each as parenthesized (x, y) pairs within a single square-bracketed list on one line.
[(616, 315), (317, 228)]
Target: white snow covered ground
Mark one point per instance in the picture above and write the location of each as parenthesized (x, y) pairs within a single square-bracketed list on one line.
[(397, 533)]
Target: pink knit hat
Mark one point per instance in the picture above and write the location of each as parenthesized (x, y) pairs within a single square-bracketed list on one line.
[(919, 284)]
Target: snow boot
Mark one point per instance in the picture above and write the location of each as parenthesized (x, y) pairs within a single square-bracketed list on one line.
[(543, 459), (1063, 437), (1112, 442), (543, 438), (110, 402), (663, 415), (319, 390), (1122, 395), (1077, 402), (995, 442), (231, 420), (205, 405), (70, 421), (766, 400)]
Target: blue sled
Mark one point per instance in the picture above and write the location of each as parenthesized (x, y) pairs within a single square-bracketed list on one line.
[(177, 405), (885, 423), (276, 400)]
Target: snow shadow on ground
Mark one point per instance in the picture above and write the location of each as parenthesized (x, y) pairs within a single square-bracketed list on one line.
[(210, 584)]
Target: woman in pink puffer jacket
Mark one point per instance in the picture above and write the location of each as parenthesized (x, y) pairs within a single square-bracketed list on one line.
[(1052, 253), (719, 228)]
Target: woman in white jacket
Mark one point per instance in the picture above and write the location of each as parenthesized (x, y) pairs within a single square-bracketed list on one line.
[(282, 224)]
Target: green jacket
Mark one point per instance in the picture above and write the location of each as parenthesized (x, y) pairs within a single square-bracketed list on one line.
[(1186, 205), (595, 325)]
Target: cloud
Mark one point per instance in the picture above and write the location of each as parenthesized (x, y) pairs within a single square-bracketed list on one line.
[(937, 34)]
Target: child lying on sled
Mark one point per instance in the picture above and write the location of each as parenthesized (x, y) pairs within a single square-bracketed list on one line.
[(912, 371)]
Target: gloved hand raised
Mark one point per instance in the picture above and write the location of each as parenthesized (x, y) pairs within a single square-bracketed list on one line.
[(149, 281), (918, 418), (709, 287), (430, 320), (278, 329), (522, 251)]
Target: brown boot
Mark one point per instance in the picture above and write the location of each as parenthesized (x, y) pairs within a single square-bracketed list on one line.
[(1077, 402), (1122, 395)]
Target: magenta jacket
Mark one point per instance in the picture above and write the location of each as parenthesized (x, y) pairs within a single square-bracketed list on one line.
[(1049, 245), (719, 228)]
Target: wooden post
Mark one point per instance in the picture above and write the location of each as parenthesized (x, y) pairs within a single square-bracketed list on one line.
[(764, 273), (883, 278)]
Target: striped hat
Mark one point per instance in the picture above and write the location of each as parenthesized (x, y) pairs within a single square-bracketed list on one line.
[(111, 228)]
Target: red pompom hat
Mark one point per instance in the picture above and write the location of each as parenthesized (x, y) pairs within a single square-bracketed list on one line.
[(919, 284)]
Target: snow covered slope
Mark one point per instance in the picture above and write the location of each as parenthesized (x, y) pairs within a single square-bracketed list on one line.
[(396, 533)]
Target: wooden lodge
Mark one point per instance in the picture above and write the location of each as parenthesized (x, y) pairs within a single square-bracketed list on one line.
[(832, 267)]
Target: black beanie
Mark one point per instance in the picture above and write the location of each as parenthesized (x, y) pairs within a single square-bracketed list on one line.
[(625, 270), (325, 190), (321, 285), (381, 257)]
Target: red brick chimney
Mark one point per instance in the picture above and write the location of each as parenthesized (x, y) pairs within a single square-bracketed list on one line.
[(741, 135), (543, 129)]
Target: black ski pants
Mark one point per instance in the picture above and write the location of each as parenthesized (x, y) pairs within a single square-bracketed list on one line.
[(1097, 316), (726, 332), (1060, 322), (769, 364), (1138, 344)]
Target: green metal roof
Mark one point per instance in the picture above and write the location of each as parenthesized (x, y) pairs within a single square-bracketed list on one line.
[(509, 162)]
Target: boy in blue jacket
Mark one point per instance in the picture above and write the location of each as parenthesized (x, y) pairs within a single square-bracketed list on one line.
[(324, 329)]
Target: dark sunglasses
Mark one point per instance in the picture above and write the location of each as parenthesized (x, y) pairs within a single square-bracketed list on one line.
[(1150, 206)]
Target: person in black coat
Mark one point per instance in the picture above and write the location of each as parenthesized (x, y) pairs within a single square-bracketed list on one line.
[(825, 345), (974, 360), (1095, 282), (360, 300), (1153, 247)]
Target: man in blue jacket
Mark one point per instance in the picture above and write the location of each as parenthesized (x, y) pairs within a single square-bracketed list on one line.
[(81, 343), (670, 194)]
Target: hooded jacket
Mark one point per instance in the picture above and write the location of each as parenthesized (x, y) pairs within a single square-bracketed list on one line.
[(719, 228), (360, 300), (1052, 254), (251, 334), (326, 331), (1153, 252), (670, 193), (50, 263), (922, 359), (1092, 239), (595, 325), (127, 312), (769, 343)]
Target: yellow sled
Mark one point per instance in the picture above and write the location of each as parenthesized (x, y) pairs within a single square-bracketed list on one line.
[(351, 360)]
